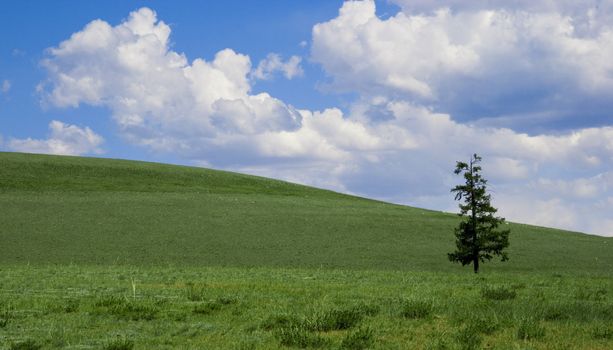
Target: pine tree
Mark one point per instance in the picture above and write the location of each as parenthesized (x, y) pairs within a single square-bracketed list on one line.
[(477, 237)]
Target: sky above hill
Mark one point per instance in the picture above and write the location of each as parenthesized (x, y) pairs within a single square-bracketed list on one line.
[(374, 98)]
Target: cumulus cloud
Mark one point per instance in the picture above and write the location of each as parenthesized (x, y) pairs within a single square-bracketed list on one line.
[(476, 62), (64, 139), (157, 97), (273, 63), (400, 138)]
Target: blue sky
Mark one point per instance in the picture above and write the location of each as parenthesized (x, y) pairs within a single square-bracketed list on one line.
[(375, 98)]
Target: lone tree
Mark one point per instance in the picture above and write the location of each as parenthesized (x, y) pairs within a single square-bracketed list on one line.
[(477, 236)]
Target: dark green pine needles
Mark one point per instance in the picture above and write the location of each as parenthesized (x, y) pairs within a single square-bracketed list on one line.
[(477, 236)]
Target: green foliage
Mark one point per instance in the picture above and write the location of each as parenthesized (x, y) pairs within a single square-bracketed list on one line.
[(227, 300), (70, 305), (477, 237), (530, 328), (4, 318), (65, 306), (338, 319), (438, 342), (362, 338), (367, 309), (416, 308), (281, 321), (26, 345), (302, 307), (556, 312), (300, 337), (119, 344), (498, 293), (211, 306), (208, 307), (249, 344), (5, 313), (110, 301), (125, 308), (602, 331), (583, 311), (58, 337), (195, 292), (469, 338), (594, 294), (302, 332), (483, 323)]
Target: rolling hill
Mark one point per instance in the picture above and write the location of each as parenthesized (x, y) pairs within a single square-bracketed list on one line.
[(61, 210)]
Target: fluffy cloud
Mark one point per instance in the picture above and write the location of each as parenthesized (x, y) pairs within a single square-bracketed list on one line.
[(273, 63), (154, 92), (203, 110), (63, 139), (475, 63), (400, 138)]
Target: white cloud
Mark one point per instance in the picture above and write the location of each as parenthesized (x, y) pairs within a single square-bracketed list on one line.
[(394, 142), (588, 8), (6, 86), (273, 63), (156, 96), (474, 62), (63, 139), (579, 204)]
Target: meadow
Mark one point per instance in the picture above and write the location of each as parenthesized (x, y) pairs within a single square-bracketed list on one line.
[(111, 254), (120, 307)]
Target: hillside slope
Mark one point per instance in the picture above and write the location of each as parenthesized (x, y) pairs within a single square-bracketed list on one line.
[(59, 210)]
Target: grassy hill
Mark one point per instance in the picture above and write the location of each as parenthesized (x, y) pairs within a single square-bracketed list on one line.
[(58, 210), (110, 254)]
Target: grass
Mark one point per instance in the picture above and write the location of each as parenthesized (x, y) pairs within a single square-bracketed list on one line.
[(111, 254), (530, 328), (25, 345), (415, 308), (194, 292), (276, 308), (362, 338), (498, 293), (119, 344), (300, 337), (59, 210), (128, 309), (468, 338), (212, 306)]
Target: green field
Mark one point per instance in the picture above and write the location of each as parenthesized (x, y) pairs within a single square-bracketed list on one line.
[(97, 253)]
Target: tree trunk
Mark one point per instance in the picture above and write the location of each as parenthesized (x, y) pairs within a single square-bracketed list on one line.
[(473, 213)]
